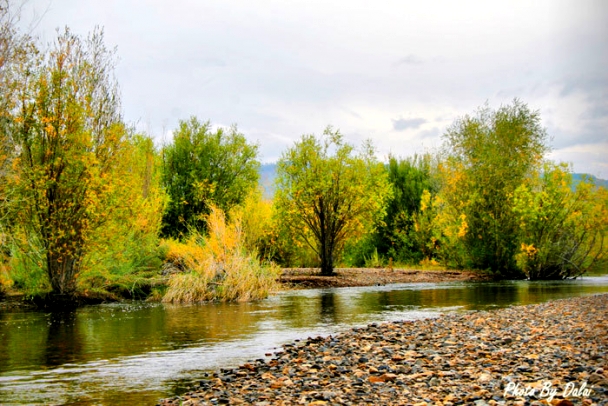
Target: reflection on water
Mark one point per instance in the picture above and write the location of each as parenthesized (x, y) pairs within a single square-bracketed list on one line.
[(63, 340), (138, 352)]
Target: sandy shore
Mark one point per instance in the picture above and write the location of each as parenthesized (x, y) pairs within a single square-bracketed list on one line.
[(551, 353), (344, 277)]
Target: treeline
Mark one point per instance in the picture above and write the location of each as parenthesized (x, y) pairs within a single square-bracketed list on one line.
[(90, 207)]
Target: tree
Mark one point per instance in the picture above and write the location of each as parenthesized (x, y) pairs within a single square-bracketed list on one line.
[(201, 168), (66, 135), (409, 179), (562, 229), (326, 194), (12, 43), (15, 50), (394, 237), (488, 157)]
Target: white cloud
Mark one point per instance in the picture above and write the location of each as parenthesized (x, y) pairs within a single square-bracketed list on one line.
[(586, 158), (282, 69)]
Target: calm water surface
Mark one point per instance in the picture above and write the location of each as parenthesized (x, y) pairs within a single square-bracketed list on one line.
[(137, 353)]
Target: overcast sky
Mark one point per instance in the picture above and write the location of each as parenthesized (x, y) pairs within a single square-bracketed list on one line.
[(398, 72)]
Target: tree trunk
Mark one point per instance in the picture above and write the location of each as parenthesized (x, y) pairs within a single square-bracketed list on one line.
[(327, 268), (327, 260), (62, 270)]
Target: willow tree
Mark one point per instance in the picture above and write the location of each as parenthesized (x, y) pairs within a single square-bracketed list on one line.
[(489, 156), (327, 193), (66, 135)]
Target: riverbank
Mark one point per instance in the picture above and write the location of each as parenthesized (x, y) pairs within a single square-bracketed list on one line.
[(514, 356), (298, 278), (307, 278)]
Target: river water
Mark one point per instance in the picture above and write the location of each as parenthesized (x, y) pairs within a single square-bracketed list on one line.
[(137, 352)]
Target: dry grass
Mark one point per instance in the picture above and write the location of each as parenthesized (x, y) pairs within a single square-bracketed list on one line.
[(218, 267)]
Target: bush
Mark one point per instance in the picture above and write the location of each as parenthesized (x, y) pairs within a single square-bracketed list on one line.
[(203, 167), (218, 267), (358, 251), (394, 236), (439, 232)]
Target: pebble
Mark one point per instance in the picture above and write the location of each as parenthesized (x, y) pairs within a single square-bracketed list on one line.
[(470, 358)]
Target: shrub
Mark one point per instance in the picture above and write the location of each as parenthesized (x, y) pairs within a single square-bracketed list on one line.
[(218, 267)]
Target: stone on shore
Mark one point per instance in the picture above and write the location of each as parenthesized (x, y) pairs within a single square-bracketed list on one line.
[(511, 356)]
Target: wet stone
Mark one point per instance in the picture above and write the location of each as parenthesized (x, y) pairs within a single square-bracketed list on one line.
[(457, 359)]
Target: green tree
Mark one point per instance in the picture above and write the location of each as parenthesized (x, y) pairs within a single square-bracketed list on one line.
[(203, 168), (409, 179), (395, 236), (66, 134), (326, 193), (489, 156)]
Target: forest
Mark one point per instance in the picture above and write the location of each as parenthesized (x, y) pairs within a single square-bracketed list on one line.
[(91, 208)]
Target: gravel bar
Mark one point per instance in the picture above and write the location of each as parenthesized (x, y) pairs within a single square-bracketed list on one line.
[(551, 353)]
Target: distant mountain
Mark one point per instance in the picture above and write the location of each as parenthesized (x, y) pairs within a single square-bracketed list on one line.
[(268, 173), (577, 177)]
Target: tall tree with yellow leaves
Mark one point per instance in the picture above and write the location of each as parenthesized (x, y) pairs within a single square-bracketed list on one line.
[(66, 134)]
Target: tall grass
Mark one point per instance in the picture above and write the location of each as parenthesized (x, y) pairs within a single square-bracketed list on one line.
[(23, 268), (218, 266)]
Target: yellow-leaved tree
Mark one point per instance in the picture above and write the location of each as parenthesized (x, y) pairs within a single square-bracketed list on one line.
[(563, 227), (68, 146)]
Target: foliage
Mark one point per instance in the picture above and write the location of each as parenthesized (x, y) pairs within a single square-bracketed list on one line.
[(562, 231), (23, 265), (218, 267), (374, 260), (124, 254), (395, 236), (440, 231), (66, 135), (258, 227), (358, 251), (264, 236), (201, 168), (288, 252), (15, 49), (326, 194), (488, 157)]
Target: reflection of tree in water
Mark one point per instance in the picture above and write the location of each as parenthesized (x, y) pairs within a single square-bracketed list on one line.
[(4, 343), (328, 308), (63, 344)]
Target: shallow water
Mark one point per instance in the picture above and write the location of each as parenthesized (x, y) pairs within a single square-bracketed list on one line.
[(137, 353)]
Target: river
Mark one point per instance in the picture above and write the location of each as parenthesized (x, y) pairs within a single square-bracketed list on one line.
[(137, 352)]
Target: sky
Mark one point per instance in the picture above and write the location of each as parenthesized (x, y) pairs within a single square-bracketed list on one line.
[(396, 72)]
